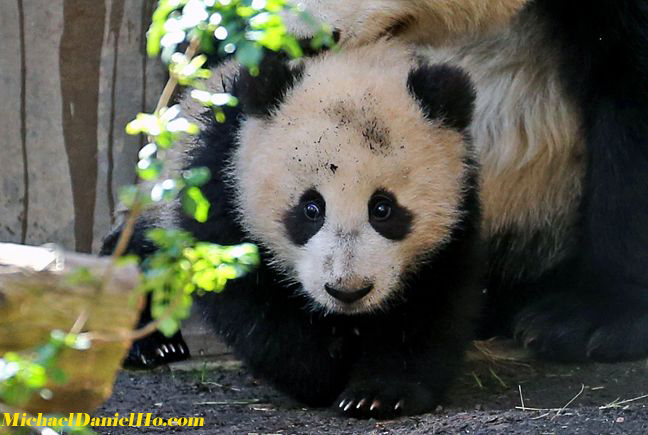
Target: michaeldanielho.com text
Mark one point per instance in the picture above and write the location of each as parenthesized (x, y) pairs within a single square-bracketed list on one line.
[(134, 419)]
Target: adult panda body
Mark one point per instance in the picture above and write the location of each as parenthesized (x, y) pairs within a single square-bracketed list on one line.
[(356, 179), (561, 132)]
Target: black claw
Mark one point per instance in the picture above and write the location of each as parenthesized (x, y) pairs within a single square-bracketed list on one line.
[(155, 350)]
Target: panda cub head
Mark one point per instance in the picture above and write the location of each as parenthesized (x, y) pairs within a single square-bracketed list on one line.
[(351, 168)]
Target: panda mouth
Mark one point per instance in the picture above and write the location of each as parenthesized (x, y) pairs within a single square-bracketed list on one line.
[(348, 296)]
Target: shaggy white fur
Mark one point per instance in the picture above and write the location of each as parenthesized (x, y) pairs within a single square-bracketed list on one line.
[(318, 140)]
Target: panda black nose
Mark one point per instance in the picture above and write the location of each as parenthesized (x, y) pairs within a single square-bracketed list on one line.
[(348, 295)]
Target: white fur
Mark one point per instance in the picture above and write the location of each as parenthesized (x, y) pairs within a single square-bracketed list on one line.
[(320, 124), (526, 133), (429, 21)]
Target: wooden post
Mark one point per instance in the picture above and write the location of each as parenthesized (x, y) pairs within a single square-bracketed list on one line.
[(72, 74)]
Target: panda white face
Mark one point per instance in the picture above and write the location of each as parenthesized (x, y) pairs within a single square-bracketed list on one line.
[(353, 248), (347, 184)]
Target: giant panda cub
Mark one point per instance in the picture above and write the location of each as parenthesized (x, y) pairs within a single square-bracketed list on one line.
[(355, 177)]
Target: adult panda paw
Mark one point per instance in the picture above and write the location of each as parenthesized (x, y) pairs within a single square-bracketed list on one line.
[(566, 328), (155, 350), (383, 399)]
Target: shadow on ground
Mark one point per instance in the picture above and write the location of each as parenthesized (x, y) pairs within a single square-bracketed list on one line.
[(495, 395)]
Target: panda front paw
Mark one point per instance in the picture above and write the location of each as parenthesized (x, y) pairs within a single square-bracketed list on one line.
[(155, 350), (571, 329), (385, 399)]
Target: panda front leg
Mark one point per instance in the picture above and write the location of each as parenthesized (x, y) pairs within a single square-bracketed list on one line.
[(401, 371), (155, 349), (299, 352)]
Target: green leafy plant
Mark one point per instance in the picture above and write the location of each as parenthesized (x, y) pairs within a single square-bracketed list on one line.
[(22, 375), (181, 266)]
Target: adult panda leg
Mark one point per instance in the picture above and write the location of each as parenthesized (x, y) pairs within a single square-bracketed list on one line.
[(601, 310)]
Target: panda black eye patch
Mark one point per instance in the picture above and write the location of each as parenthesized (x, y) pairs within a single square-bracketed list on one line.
[(306, 218), (387, 217)]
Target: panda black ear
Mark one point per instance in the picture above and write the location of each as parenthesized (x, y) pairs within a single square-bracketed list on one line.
[(260, 95), (444, 92)]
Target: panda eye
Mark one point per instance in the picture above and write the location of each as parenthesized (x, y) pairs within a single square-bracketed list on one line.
[(305, 218), (312, 211), (381, 210), (388, 217)]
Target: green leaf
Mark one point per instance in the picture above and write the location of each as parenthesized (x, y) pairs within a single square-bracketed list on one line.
[(196, 176), (149, 169), (168, 326), (249, 54), (195, 204), (165, 190), (148, 151), (57, 375), (219, 115), (128, 196)]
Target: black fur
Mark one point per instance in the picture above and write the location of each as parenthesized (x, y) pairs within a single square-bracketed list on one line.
[(298, 227), (595, 305), (260, 95), (445, 92), (155, 349), (399, 224)]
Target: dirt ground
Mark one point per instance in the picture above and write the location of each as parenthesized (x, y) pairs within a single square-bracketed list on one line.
[(493, 396)]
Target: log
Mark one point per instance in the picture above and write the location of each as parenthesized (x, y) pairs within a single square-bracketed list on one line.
[(44, 289)]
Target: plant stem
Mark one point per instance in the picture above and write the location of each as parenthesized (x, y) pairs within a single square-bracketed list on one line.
[(129, 225), (172, 83), (124, 238), (142, 332)]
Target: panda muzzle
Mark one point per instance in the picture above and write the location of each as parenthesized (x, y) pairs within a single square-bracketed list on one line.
[(348, 295)]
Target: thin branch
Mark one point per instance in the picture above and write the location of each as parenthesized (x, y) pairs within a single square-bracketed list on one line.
[(119, 336), (124, 238), (129, 225), (142, 332), (526, 408), (616, 403), (493, 374), (231, 402), (172, 83), (478, 381), (548, 411), (570, 402)]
